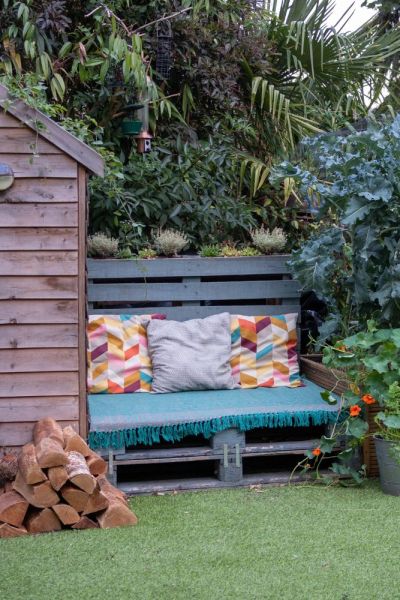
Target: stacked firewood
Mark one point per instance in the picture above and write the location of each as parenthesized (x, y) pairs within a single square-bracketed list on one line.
[(60, 483)]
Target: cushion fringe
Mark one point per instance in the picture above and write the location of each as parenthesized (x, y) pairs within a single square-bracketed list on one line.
[(174, 433)]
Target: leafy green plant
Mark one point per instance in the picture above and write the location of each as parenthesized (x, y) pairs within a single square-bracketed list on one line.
[(369, 364), (147, 253), (170, 242), (210, 250), (229, 250), (249, 251), (267, 241), (100, 245), (353, 263)]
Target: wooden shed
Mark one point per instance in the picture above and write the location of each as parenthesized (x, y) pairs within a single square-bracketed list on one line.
[(42, 272)]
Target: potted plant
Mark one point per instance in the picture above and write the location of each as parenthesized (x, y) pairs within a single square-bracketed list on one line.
[(368, 367), (387, 441)]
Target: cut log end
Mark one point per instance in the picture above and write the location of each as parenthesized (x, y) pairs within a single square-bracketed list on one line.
[(9, 531), (78, 472), (43, 521), (85, 523), (13, 508), (74, 442), (66, 513), (58, 477), (29, 467), (48, 428)]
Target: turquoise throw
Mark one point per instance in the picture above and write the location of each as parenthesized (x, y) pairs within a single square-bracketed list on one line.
[(118, 420)]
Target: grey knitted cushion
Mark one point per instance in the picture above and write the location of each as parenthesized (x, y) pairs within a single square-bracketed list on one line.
[(191, 355)]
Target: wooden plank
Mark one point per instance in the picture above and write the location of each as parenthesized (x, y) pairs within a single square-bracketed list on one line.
[(82, 346), (45, 165), (39, 263), (51, 131), (21, 140), (39, 215), (39, 384), (24, 360), (182, 313), (45, 288), (7, 120), (32, 409), (41, 190), (13, 312), (38, 336), (199, 291), (18, 434), (39, 238), (188, 267), (204, 483)]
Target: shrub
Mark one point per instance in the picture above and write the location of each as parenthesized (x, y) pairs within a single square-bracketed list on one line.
[(102, 246), (170, 242), (210, 250), (268, 242)]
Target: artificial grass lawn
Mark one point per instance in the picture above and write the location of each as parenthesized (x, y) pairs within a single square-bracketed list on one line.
[(297, 543)]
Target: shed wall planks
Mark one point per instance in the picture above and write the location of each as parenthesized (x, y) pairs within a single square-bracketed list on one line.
[(42, 260)]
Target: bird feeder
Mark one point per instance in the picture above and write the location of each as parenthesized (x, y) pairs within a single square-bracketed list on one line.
[(132, 124), (164, 48)]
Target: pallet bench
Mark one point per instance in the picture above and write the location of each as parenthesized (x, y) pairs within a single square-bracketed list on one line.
[(184, 288)]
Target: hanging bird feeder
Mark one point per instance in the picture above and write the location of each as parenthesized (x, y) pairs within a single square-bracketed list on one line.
[(164, 49), (132, 124)]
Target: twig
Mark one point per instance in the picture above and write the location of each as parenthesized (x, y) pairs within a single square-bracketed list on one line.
[(175, 14)]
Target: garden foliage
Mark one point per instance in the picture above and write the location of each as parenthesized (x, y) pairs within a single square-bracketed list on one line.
[(353, 265), (244, 87)]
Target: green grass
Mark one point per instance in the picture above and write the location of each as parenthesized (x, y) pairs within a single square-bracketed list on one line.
[(297, 543)]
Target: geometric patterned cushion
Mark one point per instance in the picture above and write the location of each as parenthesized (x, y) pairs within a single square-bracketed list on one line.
[(118, 360), (264, 351)]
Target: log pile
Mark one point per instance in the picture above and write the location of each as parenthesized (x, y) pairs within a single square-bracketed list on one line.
[(60, 483)]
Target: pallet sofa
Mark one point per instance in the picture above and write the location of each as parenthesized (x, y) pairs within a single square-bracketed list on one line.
[(145, 429)]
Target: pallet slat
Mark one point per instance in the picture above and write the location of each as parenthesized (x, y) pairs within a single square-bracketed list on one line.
[(199, 291), (188, 267), (182, 313)]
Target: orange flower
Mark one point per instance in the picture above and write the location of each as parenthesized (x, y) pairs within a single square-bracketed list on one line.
[(316, 451), (355, 410), (341, 348), (368, 399)]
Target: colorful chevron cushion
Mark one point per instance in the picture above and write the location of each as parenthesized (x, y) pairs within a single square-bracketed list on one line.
[(264, 351), (118, 360)]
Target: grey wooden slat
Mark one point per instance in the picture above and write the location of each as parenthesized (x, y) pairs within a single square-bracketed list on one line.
[(187, 267), (182, 313), (203, 483), (196, 290)]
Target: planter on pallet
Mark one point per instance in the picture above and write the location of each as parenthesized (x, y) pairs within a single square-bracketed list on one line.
[(389, 466), (331, 379)]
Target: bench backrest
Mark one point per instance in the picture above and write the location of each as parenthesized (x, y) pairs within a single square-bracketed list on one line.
[(192, 287)]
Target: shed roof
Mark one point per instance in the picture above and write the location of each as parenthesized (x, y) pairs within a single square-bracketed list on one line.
[(52, 132)]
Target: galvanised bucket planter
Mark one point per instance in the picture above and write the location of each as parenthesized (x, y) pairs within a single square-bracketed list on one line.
[(389, 467)]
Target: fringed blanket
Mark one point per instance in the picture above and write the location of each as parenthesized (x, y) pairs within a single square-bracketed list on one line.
[(118, 420)]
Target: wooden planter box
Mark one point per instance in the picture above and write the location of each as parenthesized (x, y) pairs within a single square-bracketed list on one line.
[(334, 380)]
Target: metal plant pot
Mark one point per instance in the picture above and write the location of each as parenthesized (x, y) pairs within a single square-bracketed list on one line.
[(389, 467)]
